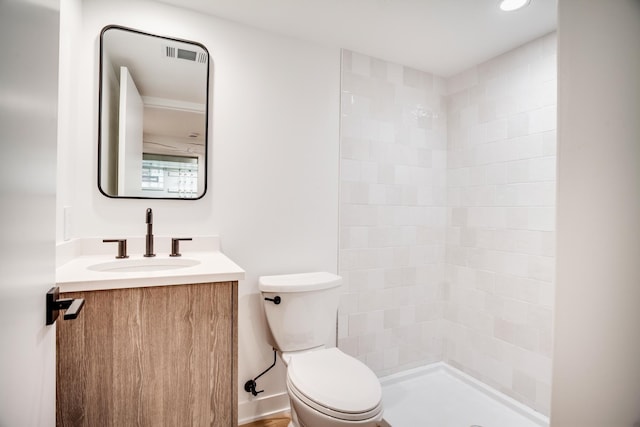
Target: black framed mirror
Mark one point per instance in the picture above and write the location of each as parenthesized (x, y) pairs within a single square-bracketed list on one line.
[(153, 116)]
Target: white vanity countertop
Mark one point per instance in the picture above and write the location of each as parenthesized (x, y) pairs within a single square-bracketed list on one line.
[(75, 260)]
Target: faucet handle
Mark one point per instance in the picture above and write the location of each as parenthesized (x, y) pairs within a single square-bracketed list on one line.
[(175, 245), (122, 247)]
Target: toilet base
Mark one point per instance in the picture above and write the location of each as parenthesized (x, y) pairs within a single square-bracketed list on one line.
[(304, 416)]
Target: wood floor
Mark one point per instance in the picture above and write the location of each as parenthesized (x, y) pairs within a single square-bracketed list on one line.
[(281, 421)]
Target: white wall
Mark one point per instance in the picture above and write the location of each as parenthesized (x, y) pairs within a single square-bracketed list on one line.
[(392, 213), (70, 38), (273, 180), (28, 120), (596, 369), (501, 168)]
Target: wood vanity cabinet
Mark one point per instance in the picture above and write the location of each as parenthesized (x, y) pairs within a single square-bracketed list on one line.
[(150, 356)]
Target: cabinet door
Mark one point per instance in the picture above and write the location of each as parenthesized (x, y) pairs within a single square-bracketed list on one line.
[(160, 356)]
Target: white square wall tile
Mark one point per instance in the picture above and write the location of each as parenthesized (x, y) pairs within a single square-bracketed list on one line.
[(386, 132), (543, 119), (350, 127), (462, 81), (518, 125), (348, 303), (343, 326), (375, 321), (349, 345), (395, 73), (391, 357), (357, 324), (360, 64), (543, 397), (541, 268), (518, 171), (541, 219), (514, 310), (370, 129), (543, 169), (371, 300), (524, 385), (366, 344), (347, 259), (368, 172), (350, 170), (545, 69), (354, 148), (497, 371)]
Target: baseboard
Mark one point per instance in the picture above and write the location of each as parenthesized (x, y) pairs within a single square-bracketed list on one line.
[(262, 407)]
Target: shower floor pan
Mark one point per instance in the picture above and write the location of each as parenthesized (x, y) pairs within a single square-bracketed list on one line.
[(438, 395)]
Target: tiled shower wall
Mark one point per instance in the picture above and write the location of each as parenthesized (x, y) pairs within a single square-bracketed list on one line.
[(392, 213), (447, 218), (501, 212)]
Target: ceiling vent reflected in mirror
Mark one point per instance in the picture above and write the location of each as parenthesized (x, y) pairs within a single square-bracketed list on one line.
[(189, 55)]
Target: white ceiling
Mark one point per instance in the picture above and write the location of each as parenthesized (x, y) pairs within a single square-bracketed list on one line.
[(440, 36)]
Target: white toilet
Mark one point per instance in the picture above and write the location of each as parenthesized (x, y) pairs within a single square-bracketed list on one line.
[(326, 387)]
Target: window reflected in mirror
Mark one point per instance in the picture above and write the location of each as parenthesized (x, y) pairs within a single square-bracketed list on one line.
[(169, 176)]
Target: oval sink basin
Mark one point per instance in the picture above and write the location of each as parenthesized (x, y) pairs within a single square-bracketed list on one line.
[(146, 264)]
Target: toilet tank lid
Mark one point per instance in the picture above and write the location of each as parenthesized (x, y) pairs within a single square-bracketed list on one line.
[(303, 282)]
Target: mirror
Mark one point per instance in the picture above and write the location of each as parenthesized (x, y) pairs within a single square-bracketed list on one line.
[(154, 94)]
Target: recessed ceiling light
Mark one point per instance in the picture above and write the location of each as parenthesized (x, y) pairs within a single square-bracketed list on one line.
[(511, 5)]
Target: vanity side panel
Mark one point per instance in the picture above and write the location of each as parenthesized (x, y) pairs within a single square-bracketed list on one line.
[(159, 356), (234, 351)]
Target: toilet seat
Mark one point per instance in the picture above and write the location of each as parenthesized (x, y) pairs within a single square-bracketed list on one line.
[(335, 384), (343, 416)]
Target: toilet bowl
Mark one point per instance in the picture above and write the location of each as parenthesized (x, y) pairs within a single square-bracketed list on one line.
[(329, 388), (326, 387)]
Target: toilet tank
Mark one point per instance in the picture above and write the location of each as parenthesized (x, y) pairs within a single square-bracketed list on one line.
[(307, 310)]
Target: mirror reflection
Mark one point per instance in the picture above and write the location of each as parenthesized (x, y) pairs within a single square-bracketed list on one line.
[(153, 116)]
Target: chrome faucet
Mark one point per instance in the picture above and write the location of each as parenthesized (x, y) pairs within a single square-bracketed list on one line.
[(149, 239)]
